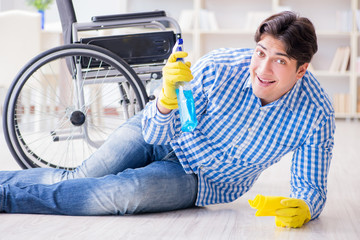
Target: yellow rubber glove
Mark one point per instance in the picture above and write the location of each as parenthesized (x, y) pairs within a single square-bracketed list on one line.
[(266, 205), (173, 72), (288, 212), (295, 214)]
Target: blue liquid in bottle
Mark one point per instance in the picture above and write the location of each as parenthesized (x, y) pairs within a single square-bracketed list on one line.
[(186, 109), (185, 99)]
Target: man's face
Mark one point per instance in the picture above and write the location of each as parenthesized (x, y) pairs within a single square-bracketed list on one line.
[(273, 72)]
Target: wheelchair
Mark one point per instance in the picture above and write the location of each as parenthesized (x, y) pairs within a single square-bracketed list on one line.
[(64, 102)]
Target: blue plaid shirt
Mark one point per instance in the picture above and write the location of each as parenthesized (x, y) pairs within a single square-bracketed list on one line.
[(237, 138)]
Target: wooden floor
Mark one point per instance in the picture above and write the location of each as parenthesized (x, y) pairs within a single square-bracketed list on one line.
[(339, 220)]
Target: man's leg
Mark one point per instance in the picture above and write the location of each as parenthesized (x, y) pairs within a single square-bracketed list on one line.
[(160, 186), (125, 148)]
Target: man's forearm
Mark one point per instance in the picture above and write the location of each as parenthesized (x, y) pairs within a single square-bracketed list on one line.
[(162, 109)]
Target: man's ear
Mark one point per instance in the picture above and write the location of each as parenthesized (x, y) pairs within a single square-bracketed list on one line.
[(301, 70)]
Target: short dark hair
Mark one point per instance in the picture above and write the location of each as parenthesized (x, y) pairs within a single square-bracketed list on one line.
[(295, 32)]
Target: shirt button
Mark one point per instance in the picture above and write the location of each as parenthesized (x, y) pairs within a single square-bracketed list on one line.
[(250, 129)]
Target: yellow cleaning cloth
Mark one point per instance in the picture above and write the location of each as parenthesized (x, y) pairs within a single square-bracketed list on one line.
[(266, 206)]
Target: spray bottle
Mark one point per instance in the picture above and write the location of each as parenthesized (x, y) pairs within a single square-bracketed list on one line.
[(185, 98)]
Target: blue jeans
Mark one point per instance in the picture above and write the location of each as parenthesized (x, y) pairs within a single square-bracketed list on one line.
[(124, 176)]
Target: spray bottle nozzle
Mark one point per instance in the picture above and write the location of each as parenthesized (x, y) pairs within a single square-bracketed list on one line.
[(178, 47)]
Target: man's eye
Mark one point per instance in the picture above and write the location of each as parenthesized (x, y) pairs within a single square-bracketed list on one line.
[(260, 53), (281, 61)]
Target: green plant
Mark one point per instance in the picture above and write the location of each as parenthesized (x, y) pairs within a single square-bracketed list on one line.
[(40, 4)]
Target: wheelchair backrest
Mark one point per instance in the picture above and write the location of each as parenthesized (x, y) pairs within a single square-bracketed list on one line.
[(141, 48)]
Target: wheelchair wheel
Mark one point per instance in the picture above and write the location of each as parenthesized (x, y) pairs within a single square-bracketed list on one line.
[(65, 102)]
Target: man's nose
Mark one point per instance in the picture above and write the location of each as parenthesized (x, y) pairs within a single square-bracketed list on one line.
[(265, 67)]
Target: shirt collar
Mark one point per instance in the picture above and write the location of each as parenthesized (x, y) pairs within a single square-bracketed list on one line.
[(247, 83), (291, 98)]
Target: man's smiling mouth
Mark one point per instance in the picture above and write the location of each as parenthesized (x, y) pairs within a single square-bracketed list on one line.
[(265, 82)]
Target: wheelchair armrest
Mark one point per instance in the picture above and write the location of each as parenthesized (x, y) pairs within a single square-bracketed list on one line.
[(128, 16)]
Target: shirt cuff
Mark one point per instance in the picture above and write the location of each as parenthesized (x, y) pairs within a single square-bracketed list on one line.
[(159, 117)]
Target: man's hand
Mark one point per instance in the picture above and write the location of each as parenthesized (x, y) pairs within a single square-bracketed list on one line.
[(173, 72), (295, 213), (288, 212)]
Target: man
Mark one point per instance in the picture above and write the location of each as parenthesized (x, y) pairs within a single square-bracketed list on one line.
[(253, 107)]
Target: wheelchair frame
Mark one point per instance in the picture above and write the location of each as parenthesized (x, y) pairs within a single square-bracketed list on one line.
[(130, 76)]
